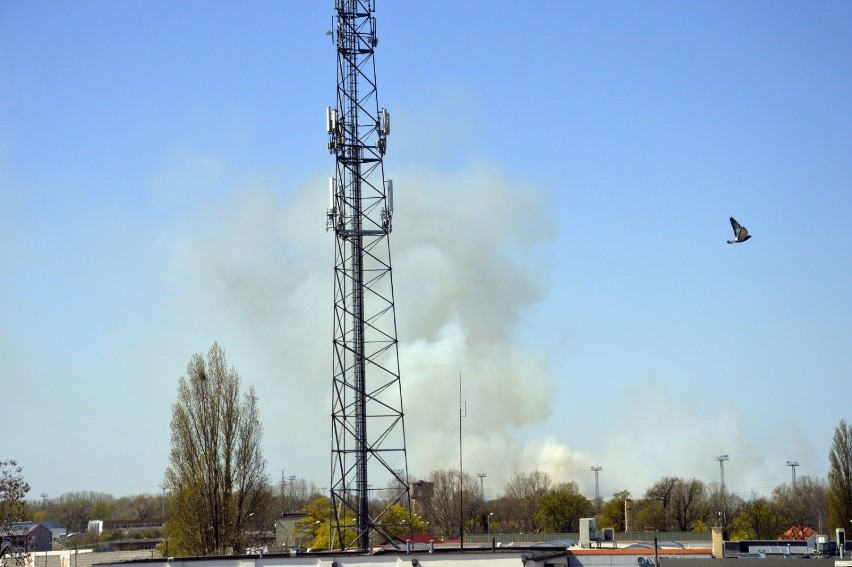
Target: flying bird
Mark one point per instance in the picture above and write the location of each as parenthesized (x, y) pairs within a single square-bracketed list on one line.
[(740, 232)]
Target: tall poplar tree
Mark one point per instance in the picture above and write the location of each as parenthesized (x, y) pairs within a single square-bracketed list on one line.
[(840, 477), (217, 473)]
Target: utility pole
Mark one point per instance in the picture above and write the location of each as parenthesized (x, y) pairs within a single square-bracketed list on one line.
[(793, 465), (368, 432)]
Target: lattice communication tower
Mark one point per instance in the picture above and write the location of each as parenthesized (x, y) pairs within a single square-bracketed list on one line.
[(369, 466)]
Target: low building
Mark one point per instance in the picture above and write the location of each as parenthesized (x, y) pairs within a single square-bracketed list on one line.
[(287, 533), (26, 537)]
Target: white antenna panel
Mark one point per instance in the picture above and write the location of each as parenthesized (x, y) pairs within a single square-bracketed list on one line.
[(328, 119), (390, 194), (332, 189), (385, 121)]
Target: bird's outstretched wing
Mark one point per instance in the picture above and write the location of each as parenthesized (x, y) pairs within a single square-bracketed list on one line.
[(736, 226)]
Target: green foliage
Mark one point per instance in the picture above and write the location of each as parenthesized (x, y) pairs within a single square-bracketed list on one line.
[(758, 519), (612, 512), (318, 526), (560, 510), (649, 514), (700, 526), (217, 471), (683, 502), (523, 493), (840, 477)]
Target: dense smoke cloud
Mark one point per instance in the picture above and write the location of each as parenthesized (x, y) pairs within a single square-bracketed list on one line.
[(465, 252)]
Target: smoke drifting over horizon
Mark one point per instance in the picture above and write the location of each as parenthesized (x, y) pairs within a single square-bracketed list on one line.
[(466, 252)]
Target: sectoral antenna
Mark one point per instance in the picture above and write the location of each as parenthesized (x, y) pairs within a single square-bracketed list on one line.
[(387, 212)]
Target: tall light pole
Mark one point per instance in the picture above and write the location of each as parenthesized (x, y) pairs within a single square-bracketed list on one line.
[(488, 522), (482, 476), (722, 459), (596, 470), (793, 465)]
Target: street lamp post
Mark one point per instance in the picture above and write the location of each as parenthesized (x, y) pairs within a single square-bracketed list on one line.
[(488, 523)]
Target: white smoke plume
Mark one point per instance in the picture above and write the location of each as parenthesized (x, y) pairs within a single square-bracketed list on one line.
[(467, 251)]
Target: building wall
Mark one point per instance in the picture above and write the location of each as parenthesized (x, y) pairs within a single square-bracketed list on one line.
[(767, 562), (478, 558), (286, 534), (343, 560), (634, 557), (73, 558), (42, 537)]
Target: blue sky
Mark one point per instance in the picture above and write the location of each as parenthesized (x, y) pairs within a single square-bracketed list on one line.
[(564, 173)]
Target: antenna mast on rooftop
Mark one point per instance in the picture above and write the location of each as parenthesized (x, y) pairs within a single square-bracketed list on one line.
[(368, 432)]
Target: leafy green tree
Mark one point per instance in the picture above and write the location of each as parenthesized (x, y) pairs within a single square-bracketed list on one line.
[(612, 512), (649, 514), (759, 519), (217, 473), (560, 510), (840, 477), (317, 526), (318, 529)]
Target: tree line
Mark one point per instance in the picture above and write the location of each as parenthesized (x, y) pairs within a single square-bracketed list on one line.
[(218, 490)]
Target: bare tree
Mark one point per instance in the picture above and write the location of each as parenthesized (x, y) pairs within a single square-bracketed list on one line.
[(524, 491), (663, 491), (804, 504), (217, 475), (722, 505), (13, 489), (679, 503), (443, 508), (75, 509), (294, 493), (840, 477), (690, 503)]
